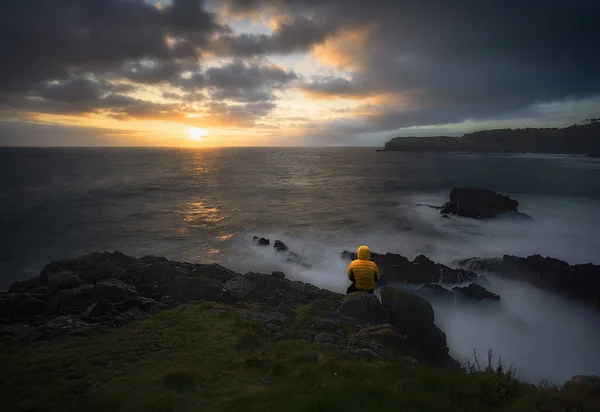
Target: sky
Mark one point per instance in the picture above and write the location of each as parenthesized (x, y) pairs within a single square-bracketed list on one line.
[(291, 72)]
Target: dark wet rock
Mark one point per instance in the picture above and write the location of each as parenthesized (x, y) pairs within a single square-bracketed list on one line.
[(24, 285), (113, 290), (476, 292), (435, 291), (72, 301), (184, 289), (397, 268), (478, 203), (60, 281), (413, 316), (580, 282), (295, 259), (261, 241), (271, 290), (213, 271), (155, 270), (365, 307), (429, 206), (18, 306), (280, 246), (278, 274)]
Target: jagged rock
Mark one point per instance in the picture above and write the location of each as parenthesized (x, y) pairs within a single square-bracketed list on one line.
[(476, 292), (155, 270), (239, 287), (580, 282), (72, 301), (414, 316), (261, 241), (397, 268), (280, 246), (405, 306), (60, 281), (184, 289), (293, 257), (278, 274), (15, 306), (213, 271), (435, 291), (364, 307), (113, 290), (271, 290), (478, 203)]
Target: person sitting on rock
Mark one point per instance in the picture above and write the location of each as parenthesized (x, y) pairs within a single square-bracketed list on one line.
[(362, 272)]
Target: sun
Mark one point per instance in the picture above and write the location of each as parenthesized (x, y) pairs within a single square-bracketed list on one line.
[(196, 133)]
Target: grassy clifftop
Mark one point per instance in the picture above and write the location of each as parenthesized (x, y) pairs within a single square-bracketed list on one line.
[(576, 139), (239, 357)]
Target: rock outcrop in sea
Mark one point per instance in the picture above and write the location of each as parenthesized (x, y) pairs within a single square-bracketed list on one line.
[(579, 282), (480, 204)]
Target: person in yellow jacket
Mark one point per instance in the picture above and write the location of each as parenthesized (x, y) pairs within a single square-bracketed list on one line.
[(362, 272)]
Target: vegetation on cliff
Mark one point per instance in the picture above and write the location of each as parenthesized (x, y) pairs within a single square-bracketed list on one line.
[(577, 139), (213, 357)]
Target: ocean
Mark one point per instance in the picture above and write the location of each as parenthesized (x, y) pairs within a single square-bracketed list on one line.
[(205, 205)]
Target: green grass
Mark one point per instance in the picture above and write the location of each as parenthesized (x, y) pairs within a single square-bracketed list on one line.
[(191, 359)]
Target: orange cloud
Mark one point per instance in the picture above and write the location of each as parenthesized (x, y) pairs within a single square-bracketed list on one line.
[(345, 49)]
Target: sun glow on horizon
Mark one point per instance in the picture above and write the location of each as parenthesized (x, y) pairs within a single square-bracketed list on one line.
[(196, 133)]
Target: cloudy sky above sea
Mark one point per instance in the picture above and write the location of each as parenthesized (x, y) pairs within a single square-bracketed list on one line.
[(290, 72)]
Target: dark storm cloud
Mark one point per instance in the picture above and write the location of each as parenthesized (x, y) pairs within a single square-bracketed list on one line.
[(298, 35), (157, 71), (46, 40), (461, 59), (333, 86), (239, 115), (243, 82)]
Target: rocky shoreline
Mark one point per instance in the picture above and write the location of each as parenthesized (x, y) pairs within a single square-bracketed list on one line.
[(105, 290), (102, 291)]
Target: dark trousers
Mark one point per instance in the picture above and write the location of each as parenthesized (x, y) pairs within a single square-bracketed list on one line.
[(352, 288)]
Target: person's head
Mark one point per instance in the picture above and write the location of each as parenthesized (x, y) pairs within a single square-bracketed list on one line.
[(363, 253)]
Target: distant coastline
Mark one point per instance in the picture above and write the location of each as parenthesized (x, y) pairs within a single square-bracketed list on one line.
[(577, 139)]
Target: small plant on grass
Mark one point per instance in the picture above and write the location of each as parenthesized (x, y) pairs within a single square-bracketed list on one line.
[(497, 383)]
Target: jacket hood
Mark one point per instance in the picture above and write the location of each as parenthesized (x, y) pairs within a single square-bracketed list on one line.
[(363, 253)]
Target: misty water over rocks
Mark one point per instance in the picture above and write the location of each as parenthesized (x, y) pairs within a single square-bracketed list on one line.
[(205, 206)]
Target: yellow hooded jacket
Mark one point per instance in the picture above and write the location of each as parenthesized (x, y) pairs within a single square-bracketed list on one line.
[(362, 271)]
